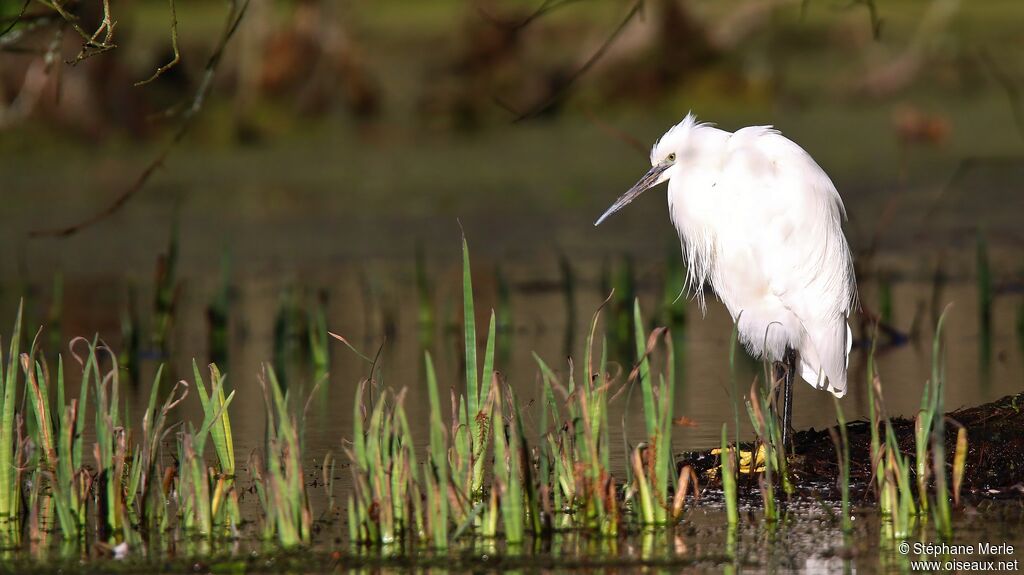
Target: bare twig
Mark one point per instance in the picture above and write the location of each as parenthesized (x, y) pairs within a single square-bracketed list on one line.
[(564, 88), (16, 20), (62, 12), (91, 45), (10, 37), (545, 7), (174, 44), (234, 18)]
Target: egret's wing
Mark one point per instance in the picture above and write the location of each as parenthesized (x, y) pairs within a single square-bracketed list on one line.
[(789, 214)]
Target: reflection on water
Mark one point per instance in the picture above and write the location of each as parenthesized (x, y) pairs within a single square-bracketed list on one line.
[(807, 539)]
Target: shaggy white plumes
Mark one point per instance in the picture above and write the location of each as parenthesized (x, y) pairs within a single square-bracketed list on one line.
[(761, 223)]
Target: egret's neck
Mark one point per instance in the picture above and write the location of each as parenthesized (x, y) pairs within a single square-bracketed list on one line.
[(693, 203)]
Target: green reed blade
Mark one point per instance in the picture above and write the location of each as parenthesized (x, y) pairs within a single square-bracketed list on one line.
[(480, 419), (663, 442), (148, 420), (318, 339), (647, 505), (506, 473), (488, 373), (729, 480), (528, 485), (358, 435), (943, 514), (469, 321), (36, 385), (9, 487), (646, 385), (89, 371), (60, 384), (439, 459), (215, 407), (874, 420), (733, 340), (844, 467)]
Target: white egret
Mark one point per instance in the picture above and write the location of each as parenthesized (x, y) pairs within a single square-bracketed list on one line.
[(761, 222)]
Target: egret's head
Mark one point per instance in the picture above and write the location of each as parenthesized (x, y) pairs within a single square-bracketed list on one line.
[(668, 153)]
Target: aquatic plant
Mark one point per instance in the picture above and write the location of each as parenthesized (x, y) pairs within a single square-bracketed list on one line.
[(657, 408), (485, 472), (223, 509), (728, 467), (476, 418), (842, 443), (576, 445), (385, 470), (769, 442), (891, 467), (10, 447), (319, 341), (900, 509), (279, 480), (941, 511)]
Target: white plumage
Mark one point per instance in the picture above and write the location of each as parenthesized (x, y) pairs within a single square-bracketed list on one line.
[(761, 222)]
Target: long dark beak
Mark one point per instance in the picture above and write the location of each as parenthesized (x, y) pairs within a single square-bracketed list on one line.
[(645, 183)]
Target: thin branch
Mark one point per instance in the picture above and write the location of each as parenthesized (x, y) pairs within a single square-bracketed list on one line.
[(32, 22), (546, 7), (92, 46), (234, 18), (174, 44), (16, 20), (564, 88)]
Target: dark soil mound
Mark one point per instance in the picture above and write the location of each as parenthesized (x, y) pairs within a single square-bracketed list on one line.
[(995, 450)]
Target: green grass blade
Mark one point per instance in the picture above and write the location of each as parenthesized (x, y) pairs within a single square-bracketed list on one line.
[(439, 459), (9, 488), (729, 480), (469, 321), (646, 385)]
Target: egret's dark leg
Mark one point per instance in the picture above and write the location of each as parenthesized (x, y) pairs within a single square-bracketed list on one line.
[(787, 373)]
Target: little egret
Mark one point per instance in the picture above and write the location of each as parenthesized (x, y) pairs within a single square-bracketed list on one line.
[(761, 222)]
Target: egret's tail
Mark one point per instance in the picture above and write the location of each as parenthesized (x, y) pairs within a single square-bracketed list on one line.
[(824, 357)]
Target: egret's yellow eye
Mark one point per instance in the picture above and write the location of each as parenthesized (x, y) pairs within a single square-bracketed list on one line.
[(672, 157)]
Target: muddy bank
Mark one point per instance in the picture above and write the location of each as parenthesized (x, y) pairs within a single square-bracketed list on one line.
[(995, 455)]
